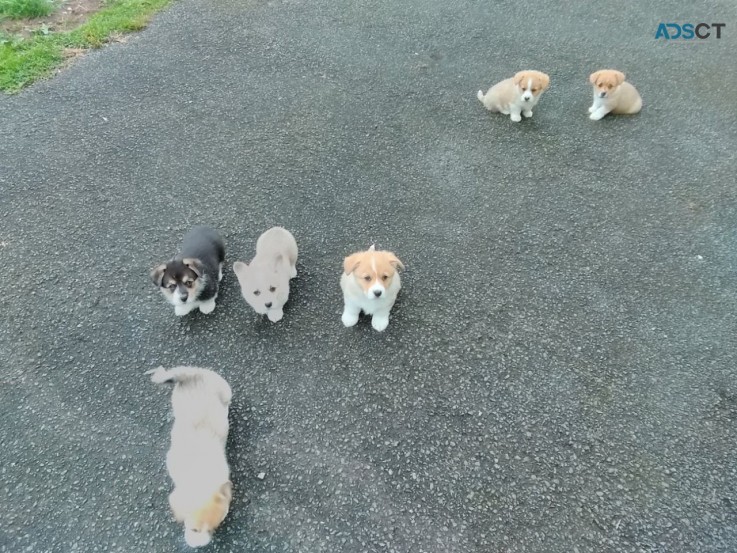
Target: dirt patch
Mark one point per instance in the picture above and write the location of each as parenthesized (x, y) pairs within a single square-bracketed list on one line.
[(69, 15)]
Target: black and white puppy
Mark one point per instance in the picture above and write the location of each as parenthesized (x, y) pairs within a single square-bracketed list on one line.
[(190, 280)]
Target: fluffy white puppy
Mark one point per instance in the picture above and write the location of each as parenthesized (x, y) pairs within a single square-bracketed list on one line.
[(196, 460)]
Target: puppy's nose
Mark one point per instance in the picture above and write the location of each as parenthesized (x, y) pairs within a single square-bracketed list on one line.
[(268, 305), (602, 94), (183, 298), (377, 293)]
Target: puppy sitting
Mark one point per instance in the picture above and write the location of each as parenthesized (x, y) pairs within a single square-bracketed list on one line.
[(517, 95), (190, 280), (196, 459), (370, 283), (265, 282), (613, 95)]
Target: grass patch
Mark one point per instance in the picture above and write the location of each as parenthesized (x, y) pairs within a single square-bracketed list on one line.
[(121, 16), (25, 60), (20, 9)]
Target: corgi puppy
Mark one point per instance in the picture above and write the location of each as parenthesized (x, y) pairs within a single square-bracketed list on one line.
[(370, 283), (517, 95), (613, 95), (190, 279), (265, 282), (196, 459)]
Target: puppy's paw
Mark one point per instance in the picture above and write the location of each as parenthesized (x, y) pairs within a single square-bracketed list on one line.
[(527, 113), (515, 117), (275, 315), (293, 272), (379, 322), (196, 539), (591, 109), (595, 116), (349, 319), (207, 307), (181, 310)]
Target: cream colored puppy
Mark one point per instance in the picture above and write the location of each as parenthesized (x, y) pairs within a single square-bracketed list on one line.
[(370, 283), (516, 96), (613, 95), (196, 459)]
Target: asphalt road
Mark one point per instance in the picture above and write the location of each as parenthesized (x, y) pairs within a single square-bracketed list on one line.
[(560, 373)]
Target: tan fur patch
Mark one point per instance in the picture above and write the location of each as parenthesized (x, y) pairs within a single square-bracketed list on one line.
[(212, 513), (537, 80), (606, 79), (371, 266)]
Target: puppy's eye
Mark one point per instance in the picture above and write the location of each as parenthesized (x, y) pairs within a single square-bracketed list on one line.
[(172, 286), (367, 278), (257, 292), (272, 289), (188, 284), (533, 90), (385, 277)]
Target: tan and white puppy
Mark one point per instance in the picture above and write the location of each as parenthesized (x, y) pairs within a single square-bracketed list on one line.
[(196, 459), (613, 95), (516, 96), (370, 283)]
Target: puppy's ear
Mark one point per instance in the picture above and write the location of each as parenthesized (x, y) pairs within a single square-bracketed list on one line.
[(225, 493), (619, 76), (544, 81), (594, 77), (240, 269), (394, 261), (518, 78), (351, 263), (157, 274), (194, 264)]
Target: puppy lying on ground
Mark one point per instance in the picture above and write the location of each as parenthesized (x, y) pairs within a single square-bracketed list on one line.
[(196, 460), (190, 279), (517, 95), (613, 95), (265, 282), (370, 283)]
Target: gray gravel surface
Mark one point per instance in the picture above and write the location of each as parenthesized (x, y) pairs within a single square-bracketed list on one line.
[(559, 374)]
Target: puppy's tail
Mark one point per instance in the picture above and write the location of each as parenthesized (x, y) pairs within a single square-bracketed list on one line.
[(177, 374), (480, 95), (194, 376)]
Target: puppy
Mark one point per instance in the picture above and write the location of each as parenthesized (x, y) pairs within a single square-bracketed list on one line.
[(517, 95), (190, 279), (370, 283), (265, 282), (196, 459), (613, 95)]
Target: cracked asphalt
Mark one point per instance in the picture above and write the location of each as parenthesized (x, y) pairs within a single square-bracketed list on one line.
[(559, 374)]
